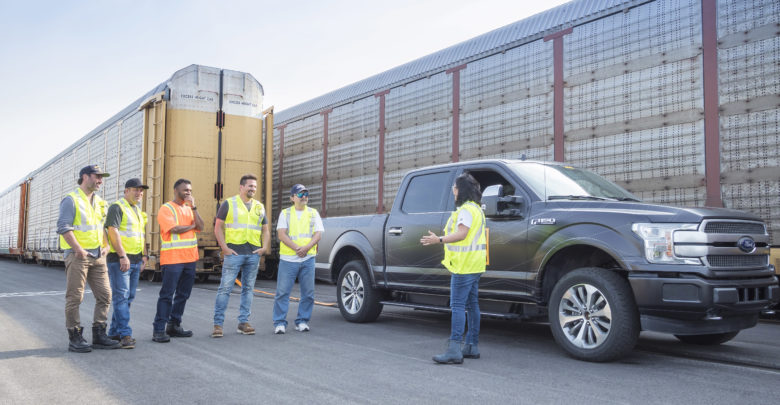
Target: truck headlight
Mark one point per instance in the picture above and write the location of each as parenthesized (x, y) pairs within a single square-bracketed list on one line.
[(659, 246)]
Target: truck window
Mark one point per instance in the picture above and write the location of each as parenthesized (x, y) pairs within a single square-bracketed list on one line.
[(487, 178), (427, 193)]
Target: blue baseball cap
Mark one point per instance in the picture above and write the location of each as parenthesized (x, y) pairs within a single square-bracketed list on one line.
[(297, 189)]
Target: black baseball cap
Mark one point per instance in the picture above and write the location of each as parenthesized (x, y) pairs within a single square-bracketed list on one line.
[(136, 183), (297, 189), (92, 169)]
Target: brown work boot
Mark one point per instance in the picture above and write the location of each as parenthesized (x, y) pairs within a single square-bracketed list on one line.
[(217, 332), (245, 329), (127, 342)]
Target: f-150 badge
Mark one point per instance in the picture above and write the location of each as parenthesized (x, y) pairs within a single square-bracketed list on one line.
[(543, 221)]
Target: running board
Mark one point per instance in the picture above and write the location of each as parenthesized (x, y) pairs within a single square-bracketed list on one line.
[(436, 308)]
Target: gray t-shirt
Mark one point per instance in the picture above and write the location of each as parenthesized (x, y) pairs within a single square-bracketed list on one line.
[(246, 248), (65, 222)]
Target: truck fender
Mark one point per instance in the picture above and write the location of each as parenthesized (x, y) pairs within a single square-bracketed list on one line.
[(610, 241), (352, 241)]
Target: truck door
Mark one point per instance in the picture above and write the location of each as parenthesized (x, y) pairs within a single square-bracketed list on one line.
[(422, 208)]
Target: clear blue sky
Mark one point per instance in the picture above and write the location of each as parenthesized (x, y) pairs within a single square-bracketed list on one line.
[(67, 66)]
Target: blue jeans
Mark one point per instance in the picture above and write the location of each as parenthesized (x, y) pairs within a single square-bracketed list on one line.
[(285, 278), (123, 286), (231, 265), (176, 278), (464, 299)]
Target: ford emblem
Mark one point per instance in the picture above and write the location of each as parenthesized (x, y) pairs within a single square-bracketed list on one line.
[(746, 244)]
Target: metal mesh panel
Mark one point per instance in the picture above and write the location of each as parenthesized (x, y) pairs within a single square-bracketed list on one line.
[(749, 85), (506, 105), (353, 158), (111, 185), (9, 218), (132, 147), (633, 101), (392, 183)]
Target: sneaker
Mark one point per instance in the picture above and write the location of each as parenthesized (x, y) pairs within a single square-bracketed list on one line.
[(245, 329), (217, 332), (302, 327), (127, 342), (279, 330)]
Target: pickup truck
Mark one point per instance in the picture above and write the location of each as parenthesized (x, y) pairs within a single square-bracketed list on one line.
[(564, 246)]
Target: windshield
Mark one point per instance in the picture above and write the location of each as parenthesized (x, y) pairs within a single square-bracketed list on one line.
[(556, 182)]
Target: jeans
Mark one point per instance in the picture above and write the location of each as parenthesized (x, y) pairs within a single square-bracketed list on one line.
[(176, 278), (123, 286), (231, 265), (464, 299), (285, 279)]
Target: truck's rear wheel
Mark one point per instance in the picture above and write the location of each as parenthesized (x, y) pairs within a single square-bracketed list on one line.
[(707, 340), (358, 300), (593, 315)]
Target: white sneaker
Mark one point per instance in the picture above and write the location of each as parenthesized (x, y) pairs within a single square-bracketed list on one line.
[(302, 327), (279, 330)]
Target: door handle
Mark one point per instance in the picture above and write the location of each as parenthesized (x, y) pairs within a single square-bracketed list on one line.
[(395, 231)]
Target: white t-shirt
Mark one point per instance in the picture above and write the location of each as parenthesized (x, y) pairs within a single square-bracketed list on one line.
[(464, 217), (282, 224)]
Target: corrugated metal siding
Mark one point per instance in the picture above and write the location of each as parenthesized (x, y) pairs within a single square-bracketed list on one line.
[(749, 91), (9, 219), (506, 104), (353, 150), (633, 100), (501, 39)]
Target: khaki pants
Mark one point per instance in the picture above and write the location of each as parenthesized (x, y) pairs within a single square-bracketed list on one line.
[(77, 273)]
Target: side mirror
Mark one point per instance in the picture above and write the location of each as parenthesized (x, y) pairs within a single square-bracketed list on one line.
[(496, 204)]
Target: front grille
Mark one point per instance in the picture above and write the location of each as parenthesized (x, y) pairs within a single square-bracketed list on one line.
[(734, 227), (752, 294), (737, 261)]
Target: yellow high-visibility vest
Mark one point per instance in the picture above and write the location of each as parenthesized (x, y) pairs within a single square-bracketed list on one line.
[(300, 230), (468, 255), (131, 230), (87, 222), (242, 225)]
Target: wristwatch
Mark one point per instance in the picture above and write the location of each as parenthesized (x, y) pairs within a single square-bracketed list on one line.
[(122, 257), (441, 240)]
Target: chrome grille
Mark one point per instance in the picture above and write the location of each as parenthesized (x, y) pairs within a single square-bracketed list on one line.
[(734, 227), (737, 261)]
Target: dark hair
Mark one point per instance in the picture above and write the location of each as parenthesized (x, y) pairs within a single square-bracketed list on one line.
[(180, 182), (246, 177), (468, 189)]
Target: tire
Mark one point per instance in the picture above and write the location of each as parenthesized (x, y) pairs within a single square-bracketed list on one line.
[(358, 300), (604, 330), (707, 340)]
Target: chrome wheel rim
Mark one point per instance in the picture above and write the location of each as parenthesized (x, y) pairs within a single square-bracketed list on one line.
[(585, 316), (352, 292)]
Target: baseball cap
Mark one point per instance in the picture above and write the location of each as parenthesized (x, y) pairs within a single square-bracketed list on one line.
[(297, 189), (136, 183), (92, 169)]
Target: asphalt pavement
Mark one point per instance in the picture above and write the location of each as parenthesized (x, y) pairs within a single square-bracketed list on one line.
[(387, 361)]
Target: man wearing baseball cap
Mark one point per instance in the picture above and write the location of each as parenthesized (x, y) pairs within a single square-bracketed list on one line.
[(299, 228), (80, 226), (126, 226)]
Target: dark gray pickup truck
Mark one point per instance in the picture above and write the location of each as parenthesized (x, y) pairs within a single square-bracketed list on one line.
[(566, 245)]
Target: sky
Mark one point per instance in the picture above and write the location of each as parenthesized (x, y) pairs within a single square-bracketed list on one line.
[(67, 66)]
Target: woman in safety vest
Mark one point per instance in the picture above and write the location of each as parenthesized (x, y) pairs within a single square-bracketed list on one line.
[(465, 257)]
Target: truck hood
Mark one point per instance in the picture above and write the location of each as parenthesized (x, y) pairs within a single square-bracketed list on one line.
[(643, 212)]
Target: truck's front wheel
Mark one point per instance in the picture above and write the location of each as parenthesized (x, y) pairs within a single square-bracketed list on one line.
[(358, 300), (593, 315)]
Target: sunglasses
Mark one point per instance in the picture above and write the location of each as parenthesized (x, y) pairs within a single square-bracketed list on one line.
[(303, 194)]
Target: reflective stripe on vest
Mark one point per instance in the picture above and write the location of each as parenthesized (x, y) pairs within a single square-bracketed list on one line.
[(87, 220), (242, 225), (299, 231), (131, 230), (177, 242), (468, 255)]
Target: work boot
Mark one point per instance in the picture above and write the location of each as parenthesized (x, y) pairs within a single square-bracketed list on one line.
[(160, 336), (452, 355), (100, 340), (115, 337), (217, 333), (77, 342), (470, 351), (127, 342), (175, 330), (245, 328)]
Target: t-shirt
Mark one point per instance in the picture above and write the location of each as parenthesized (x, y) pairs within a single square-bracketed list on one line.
[(114, 218), (246, 248), (167, 222), (282, 224), (464, 217)]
